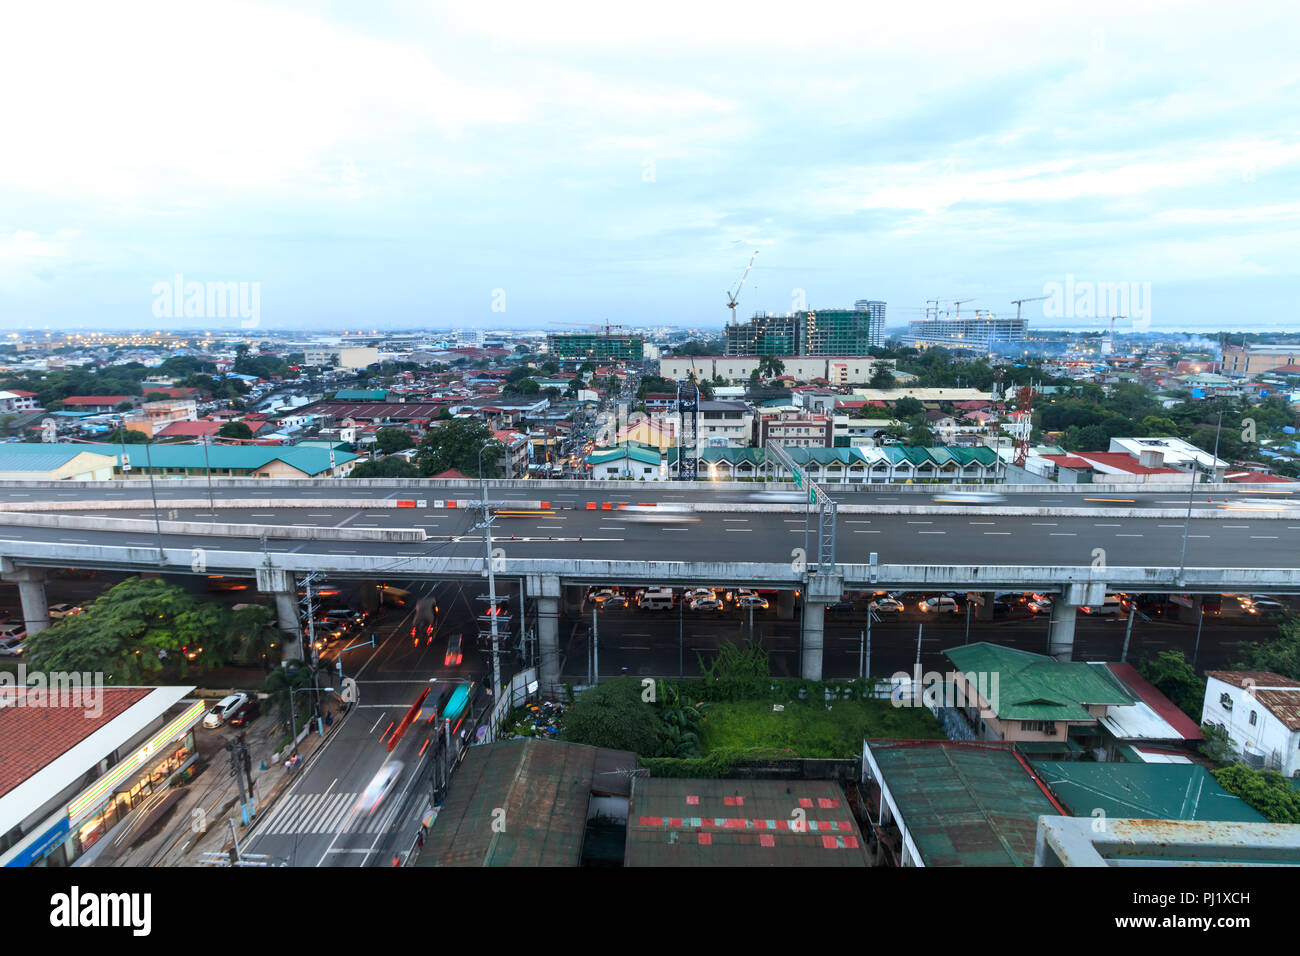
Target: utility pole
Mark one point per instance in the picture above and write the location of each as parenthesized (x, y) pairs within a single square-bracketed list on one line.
[(919, 627), (595, 648), (1128, 632), (491, 576)]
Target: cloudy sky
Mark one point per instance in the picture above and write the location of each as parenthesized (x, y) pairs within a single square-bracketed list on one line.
[(499, 164)]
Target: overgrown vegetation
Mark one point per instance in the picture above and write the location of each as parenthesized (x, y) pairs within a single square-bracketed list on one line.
[(1266, 790), (1174, 677)]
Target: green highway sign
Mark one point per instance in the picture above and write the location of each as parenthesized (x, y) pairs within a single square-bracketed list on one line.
[(798, 478)]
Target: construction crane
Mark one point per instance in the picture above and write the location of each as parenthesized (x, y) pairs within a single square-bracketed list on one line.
[(732, 295), (957, 306), (1019, 302), (592, 325)]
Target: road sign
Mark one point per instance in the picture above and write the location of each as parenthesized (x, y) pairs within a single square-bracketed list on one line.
[(812, 494), (798, 477)]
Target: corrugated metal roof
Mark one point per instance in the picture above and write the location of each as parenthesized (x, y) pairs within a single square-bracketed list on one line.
[(963, 804), (1037, 687), (1155, 791), (543, 786), (674, 822), (21, 456), (1280, 695)]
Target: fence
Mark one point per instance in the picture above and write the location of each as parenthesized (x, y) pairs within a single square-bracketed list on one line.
[(522, 686)]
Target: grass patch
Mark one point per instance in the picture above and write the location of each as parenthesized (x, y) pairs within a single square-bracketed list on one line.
[(810, 729)]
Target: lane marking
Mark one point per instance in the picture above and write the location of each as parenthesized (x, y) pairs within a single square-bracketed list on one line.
[(1044, 524), (997, 532)]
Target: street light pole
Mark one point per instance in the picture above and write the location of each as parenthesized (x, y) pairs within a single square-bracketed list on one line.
[(492, 580), (1187, 525), (207, 466)]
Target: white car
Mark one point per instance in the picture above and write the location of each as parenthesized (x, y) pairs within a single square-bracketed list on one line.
[(887, 605), (706, 604), (381, 785), (60, 611), (11, 646), (1040, 605), (752, 600), (938, 605), (223, 710), (696, 593)]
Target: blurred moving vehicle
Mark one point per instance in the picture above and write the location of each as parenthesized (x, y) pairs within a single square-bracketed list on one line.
[(656, 599), (755, 601), (454, 655), (246, 714), (60, 611), (970, 497), (1110, 607), (938, 605), (1040, 605), (694, 594), (380, 786), (886, 605), (841, 607), (706, 604)]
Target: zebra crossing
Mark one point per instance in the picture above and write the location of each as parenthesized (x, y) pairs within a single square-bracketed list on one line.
[(307, 813)]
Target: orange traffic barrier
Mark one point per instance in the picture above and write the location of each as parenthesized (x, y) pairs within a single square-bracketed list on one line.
[(606, 506), (406, 504), (546, 506), (591, 506), (451, 502)]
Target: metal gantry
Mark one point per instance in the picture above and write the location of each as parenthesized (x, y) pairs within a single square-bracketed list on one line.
[(826, 508)]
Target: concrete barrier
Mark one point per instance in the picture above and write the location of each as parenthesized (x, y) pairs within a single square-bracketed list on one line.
[(1002, 511), (148, 526)]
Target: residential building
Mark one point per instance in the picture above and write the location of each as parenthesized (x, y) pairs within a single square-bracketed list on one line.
[(16, 400), (1247, 360), (837, 370), (723, 424), (793, 430), (630, 461), (1260, 711), (824, 332), (94, 404), (877, 310)]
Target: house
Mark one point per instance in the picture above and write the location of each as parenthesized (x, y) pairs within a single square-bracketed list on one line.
[(1260, 711), (517, 452), (95, 404), (629, 461), (16, 400), (793, 430), (50, 461)]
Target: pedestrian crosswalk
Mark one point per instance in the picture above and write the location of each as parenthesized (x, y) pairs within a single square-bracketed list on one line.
[(305, 813)]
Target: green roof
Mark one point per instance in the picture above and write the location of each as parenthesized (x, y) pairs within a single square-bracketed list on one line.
[(308, 460), (43, 456), (646, 454), (1143, 791), (1036, 687), (963, 803)]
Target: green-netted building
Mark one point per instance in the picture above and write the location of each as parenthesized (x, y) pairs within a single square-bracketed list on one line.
[(596, 347)]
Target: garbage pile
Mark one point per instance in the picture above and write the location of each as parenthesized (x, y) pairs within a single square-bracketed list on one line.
[(540, 719)]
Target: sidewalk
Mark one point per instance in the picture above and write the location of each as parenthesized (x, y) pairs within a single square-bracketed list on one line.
[(211, 801)]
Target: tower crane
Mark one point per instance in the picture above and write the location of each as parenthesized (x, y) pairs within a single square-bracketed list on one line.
[(957, 306), (1018, 302), (732, 295)]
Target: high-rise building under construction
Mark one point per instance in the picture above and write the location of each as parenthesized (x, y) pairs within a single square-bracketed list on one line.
[(811, 332)]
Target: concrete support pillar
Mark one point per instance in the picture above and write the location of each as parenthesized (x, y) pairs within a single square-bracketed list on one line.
[(785, 605), (1061, 639), (546, 591), (985, 610), (814, 616), (284, 587), (369, 595), (572, 598), (31, 592)]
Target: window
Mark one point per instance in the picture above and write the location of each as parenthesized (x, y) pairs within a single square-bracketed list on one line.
[(1225, 701), (1254, 718)]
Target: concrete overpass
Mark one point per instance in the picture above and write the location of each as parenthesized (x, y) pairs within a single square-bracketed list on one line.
[(1075, 543)]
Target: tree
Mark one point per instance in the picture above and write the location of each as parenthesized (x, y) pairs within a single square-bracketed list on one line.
[(391, 467), (882, 377), (456, 444), (1174, 677), (139, 631), (252, 635), (769, 366), (126, 436), (389, 440), (1266, 790), (1281, 656), (613, 715), (524, 386), (907, 407), (235, 430)]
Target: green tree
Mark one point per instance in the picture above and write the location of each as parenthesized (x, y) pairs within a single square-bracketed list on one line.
[(1174, 677), (235, 430), (1281, 655), (456, 444), (613, 715), (524, 386), (127, 436), (882, 377), (139, 631), (391, 467), (389, 440), (253, 636), (1266, 790), (769, 366), (907, 407)]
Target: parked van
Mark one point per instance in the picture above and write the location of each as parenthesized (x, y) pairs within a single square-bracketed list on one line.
[(657, 599)]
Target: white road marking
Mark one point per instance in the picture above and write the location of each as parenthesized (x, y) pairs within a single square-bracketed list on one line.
[(1128, 535), (1107, 525), (1044, 524), (997, 532), (932, 532), (1062, 534)]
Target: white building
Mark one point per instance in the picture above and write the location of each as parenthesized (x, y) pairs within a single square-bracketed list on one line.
[(1260, 711), (1170, 453), (836, 369)]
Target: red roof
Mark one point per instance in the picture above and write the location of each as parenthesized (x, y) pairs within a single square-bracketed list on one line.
[(1068, 461), (449, 473), (189, 429), (32, 737), (1118, 460), (96, 399), (1253, 477)]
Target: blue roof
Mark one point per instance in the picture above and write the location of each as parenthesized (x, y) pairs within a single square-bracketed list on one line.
[(308, 460), (45, 456)]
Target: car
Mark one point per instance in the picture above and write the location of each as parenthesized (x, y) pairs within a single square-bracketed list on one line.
[(1110, 607), (1212, 605), (11, 646), (245, 715), (346, 616), (706, 604), (841, 607), (752, 600), (224, 709), (454, 655), (1265, 608), (886, 605), (603, 596), (938, 605), (1040, 606), (656, 599), (380, 786), (735, 595), (696, 593), (60, 611)]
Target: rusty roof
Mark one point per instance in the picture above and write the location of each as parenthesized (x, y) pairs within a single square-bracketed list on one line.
[(515, 803), (674, 822), (1279, 695)]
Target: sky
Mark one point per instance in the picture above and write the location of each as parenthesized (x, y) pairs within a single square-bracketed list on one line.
[(530, 165)]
